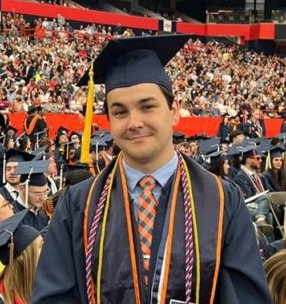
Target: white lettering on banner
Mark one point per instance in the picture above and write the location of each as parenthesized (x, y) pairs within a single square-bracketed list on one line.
[(167, 26)]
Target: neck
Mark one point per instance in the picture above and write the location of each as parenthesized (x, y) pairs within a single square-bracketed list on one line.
[(147, 166), (249, 168)]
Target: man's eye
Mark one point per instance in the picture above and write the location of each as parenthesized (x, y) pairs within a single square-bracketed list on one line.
[(148, 107), (119, 113)]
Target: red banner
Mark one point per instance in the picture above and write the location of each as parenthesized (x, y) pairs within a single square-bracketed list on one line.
[(189, 126), (242, 31)]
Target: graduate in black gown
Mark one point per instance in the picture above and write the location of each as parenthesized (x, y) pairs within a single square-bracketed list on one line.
[(11, 160), (275, 175), (200, 239), (33, 190)]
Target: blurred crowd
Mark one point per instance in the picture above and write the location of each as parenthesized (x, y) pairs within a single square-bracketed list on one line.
[(41, 62)]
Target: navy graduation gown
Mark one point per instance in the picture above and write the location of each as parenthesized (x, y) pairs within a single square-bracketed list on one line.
[(60, 275), (6, 194), (246, 185)]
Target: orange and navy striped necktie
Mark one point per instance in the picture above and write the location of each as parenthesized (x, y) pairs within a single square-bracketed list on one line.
[(147, 205)]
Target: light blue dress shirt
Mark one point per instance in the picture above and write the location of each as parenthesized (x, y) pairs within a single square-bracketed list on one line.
[(161, 175)]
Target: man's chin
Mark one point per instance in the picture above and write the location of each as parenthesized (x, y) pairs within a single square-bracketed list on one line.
[(13, 183)]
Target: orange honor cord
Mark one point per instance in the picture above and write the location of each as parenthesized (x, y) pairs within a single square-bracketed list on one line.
[(31, 125), (85, 226), (219, 238), (130, 234)]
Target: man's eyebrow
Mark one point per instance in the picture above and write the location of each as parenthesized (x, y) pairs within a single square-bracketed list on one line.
[(143, 100)]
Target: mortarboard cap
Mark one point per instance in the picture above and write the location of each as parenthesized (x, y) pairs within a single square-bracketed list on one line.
[(235, 150), (216, 157), (276, 151), (18, 156), (209, 145), (249, 151), (62, 130), (98, 141), (178, 137), (100, 133), (264, 146), (118, 64), (13, 231), (75, 133), (33, 171), (40, 153)]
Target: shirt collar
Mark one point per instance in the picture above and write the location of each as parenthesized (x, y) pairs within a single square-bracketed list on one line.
[(248, 171), (10, 188), (161, 175)]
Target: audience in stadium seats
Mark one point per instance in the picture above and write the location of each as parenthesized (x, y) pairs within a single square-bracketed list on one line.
[(210, 79)]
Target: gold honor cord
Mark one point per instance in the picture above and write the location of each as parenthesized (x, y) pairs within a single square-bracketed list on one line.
[(196, 234)]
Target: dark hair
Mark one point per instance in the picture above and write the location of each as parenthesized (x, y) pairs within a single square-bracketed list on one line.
[(217, 167), (278, 177), (168, 95)]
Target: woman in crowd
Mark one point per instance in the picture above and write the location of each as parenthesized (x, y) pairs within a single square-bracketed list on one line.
[(9, 142), (275, 175), (20, 247), (224, 127), (25, 144), (219, 164), (275, 269)]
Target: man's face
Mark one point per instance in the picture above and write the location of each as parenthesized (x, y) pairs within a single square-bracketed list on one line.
[(11, 178), (185, 150), (37, 195), (63, 139), (255, 162), (141, 124), (75, 139)]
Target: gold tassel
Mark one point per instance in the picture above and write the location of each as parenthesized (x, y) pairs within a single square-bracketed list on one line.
[(268, 162), (84, 157)]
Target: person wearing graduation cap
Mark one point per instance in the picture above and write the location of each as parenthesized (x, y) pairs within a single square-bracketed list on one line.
[(11, 131), (218, 164), (275, 175), (62, 142), (98, 162), (11, 159), (20, 247), (9, 142), (251, 184), (75, 138), (33, 191), (104, 245), (35, 124)]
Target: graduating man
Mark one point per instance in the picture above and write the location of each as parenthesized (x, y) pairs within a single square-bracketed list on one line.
[(12, 158), (33, 190), (154, 227)]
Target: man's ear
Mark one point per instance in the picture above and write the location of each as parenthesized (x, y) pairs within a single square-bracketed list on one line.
[(175, 112)]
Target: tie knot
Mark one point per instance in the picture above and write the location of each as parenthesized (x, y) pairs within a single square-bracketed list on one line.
[(147, 182)]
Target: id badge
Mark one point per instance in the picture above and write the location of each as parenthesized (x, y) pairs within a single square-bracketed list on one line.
[(172, 301)]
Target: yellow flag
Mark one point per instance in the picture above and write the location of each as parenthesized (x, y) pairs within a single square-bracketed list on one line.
[(84, 157)]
